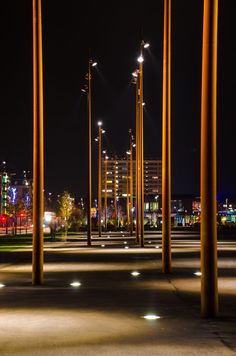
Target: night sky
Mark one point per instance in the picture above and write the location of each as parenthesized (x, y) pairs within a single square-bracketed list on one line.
[(112, 30)]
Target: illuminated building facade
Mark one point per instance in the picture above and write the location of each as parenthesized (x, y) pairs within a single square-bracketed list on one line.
[(5, 192), (116, 176)]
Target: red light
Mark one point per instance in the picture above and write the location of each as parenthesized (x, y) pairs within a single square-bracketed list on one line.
[(22, 215)]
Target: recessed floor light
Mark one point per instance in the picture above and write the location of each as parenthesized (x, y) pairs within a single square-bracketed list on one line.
[(135, 273), (149, 242), (125, 242), (151, 317), (198, 273), (126, 247), (2, 285), (75, 284), (102, 245), (156, 246)]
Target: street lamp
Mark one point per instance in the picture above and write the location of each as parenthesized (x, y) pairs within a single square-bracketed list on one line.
[(128, 191), (88, 91), (131, 181), (138, 76), (105, 190), (100, 132), (135, 81)]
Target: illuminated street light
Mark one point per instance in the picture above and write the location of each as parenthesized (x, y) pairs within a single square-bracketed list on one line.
[(138, 81), (105, 190), (140, 59), (89, 99), (100, 132)]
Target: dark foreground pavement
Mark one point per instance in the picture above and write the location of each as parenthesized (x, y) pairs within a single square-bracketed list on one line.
[(104, 316)]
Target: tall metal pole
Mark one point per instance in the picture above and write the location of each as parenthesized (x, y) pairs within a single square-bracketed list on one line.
[(128, 193), (99, 180), (209, 288), (38, 147), (115, 201), (166, 141), (141, 179), (131, 183), (105, 193), (89, 197), (137, 159)]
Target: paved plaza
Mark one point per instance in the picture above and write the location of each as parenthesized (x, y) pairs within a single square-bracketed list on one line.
[(104, 314)]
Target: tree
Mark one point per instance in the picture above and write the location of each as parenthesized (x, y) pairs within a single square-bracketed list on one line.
[(65, 208)]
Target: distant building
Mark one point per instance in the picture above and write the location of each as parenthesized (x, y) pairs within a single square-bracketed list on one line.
[(5, 192), (116, 175), (13, 190)]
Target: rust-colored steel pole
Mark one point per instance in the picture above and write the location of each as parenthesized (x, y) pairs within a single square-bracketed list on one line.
[(38, 147), (128, 193), (141, 150), (105, 193), (89, 196), (99, 181), (209, 288), (166, 141), (137, 161), (115, 200), (131, 183)]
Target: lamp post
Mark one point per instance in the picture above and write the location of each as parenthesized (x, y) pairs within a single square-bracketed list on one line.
[(38, 152), (128, 191), (88, 91), (209, 287), (135, 75), (166, 141), (105, 191), (100, 132), (140, 147), (115, 199), (131, 181)]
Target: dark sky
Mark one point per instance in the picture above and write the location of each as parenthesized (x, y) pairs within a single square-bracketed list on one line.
[(112, 30)]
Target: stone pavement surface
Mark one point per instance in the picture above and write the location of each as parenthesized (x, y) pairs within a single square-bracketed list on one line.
[(105, 314)]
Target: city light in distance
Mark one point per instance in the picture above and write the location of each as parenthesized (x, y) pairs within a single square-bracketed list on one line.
[(146, 45), (94, 64)]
